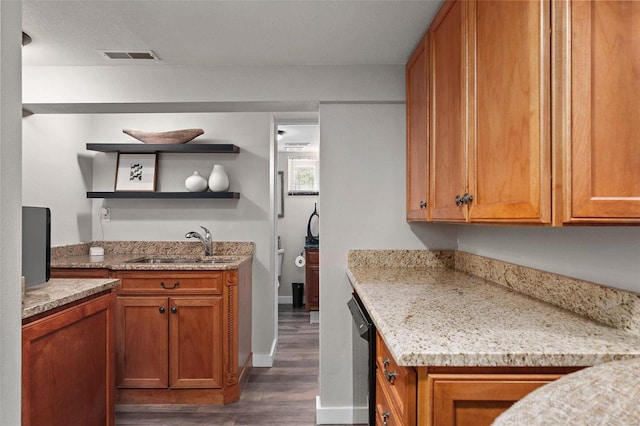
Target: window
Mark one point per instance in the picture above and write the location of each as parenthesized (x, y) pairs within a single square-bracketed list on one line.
[(304, 176)]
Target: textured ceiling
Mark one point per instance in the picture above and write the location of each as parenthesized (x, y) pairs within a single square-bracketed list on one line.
[(218, 33)]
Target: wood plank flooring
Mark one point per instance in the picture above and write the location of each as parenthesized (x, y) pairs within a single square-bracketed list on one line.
[(281, 395)]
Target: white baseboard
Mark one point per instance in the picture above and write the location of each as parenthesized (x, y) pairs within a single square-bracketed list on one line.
[(266, 360), (340, 415), (285, 300)]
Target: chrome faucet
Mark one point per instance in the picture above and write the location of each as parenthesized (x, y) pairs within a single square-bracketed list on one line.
[(206, 240)]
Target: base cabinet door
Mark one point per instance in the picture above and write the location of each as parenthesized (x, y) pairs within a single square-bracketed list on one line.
[(67, 366), (476, 399), (142, 342), (312, 279), (195, 359)]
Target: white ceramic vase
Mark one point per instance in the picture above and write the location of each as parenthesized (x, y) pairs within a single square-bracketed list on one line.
[(218, 180), (196, 183)]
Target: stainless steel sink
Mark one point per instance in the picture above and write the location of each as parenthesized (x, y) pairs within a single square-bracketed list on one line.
[(174, 260)]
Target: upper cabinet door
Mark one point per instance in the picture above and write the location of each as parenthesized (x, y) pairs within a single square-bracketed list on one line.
[(448, 113), (605, 112), (418, 133), (509, 113)]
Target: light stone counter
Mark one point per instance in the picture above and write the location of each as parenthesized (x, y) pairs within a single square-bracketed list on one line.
[(438, 316), (606, 394), (119, 254), (58, 292)]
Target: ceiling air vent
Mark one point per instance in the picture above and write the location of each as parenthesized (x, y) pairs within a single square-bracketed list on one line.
[(137, 55)]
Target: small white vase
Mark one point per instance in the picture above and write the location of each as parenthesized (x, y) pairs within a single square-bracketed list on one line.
[(196, 183), (218, 180)]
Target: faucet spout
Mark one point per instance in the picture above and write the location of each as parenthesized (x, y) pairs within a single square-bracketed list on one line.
[(206, 240)]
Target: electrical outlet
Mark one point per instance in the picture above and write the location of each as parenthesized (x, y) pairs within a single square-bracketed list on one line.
[(105, 214)]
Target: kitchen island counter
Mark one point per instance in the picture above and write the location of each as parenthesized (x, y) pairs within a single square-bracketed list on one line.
[(55, 293)]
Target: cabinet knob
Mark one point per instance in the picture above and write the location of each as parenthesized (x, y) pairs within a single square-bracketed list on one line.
[(174, 309), (465, 199), (166, 287), (385, 417), (390, 376), (161, 309), (423, 204)]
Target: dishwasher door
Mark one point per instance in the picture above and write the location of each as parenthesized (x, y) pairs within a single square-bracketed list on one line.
[(364, 357)]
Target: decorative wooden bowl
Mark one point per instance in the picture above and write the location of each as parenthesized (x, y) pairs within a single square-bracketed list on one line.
[(171, 137)]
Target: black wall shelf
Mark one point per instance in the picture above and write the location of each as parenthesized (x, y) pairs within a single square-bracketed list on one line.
[(180, 148), (157, 195)]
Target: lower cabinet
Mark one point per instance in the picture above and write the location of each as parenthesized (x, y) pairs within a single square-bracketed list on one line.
[(312, 279), (181, 337), (169, 342), (447, 396), (474, 399), (67, 366)]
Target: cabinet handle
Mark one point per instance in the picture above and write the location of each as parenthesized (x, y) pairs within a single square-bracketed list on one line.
[(385, 417), (163, 285), (423, 204), (391, 376), (174, 309), (161, 309), (465, 199)]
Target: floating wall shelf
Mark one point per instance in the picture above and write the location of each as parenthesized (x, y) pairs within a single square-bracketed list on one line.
[(141, 148), (140, 194), (179, 148)]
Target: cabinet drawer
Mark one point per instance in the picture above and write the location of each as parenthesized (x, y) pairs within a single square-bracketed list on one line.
[(313, 257), (400, 382), (386, 411), (173, 282)]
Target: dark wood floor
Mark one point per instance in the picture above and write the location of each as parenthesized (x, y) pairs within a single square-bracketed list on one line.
[(281, 395)]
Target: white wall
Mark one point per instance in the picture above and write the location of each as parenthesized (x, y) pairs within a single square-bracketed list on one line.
[(57, 172), (246, 219), (292, 229), (605, 255), (10, 212), (362, 179), (362, 173)]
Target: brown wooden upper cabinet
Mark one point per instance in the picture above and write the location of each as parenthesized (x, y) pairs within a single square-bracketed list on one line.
[(418, 132), (490, 129), (601, 90), (533, 113)]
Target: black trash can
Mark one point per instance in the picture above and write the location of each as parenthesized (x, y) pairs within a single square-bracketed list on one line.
[(297, 290)]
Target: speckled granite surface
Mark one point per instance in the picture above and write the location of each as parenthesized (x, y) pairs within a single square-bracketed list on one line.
[(58, 292), (119, 254), (607, 394), (401, 258), (617, 308), (444, 317), (164, 248)]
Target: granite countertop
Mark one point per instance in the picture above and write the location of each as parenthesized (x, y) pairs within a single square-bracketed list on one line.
[(58, 292), (606, 394), (119, 254), (121, 262), (444, 317)]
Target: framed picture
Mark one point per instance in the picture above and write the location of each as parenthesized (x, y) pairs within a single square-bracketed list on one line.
[(136, 172)]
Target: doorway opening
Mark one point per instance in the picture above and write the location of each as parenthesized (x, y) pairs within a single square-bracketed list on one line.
[(297, 199)]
